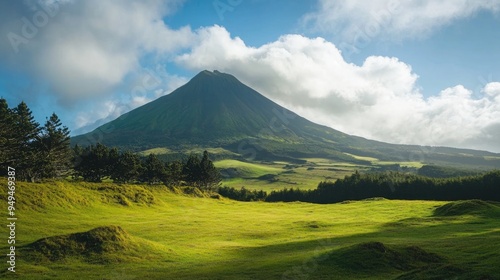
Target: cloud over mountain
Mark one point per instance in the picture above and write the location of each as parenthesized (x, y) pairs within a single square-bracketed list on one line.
[(379, 99)]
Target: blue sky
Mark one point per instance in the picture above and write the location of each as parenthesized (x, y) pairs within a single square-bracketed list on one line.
[(415, 72)]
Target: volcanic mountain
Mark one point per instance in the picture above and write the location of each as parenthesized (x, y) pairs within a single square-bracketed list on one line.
[(216, 110)]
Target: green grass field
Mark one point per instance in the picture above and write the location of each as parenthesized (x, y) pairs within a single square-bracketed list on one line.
[(271, 176), (154, 233), (278, 175)]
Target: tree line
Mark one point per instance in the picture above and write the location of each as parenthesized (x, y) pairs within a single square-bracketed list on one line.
[(35, 151), (95, 163), (44, 152), (242, 194), (396, 185)]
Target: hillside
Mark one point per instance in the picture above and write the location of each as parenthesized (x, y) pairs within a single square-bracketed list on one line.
[(107, 231), (216, 110)]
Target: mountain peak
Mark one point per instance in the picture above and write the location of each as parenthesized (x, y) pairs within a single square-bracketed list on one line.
[(213, 107), (208, 83), (213, 74)]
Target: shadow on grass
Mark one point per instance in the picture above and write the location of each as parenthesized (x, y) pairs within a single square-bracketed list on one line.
[(487, 209), (452, 247)]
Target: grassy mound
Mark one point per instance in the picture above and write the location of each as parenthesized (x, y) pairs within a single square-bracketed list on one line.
[(126, 195), (268, 177), (376, 256), (90, 245), (40, 196), (468, 207), (190, 191), (73, 195)]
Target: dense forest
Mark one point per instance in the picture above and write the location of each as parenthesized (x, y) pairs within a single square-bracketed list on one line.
[(396, 185), (98, 162)]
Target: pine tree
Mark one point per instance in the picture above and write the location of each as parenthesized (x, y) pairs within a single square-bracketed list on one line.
[(127, 168), (76, 159), (111, 161), (173, 173), (54, 148), (153, 170), (191, 171), (7, 140), (209, 175), (93, 163), (26, 133)]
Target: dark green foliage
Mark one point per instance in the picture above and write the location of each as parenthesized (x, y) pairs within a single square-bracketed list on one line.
[(174, 173), (113, 158), (435, 171), (394, 185), (26, 134), (36, 152), (191, 170), (126, 167), (26, 128), (97, 162), (152, 171), (201, 173), (94, 163), (7, 139), (242, 194), (209, 175), (54, 148), (289, 195)]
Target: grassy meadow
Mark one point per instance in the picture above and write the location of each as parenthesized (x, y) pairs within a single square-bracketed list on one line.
[(278, 175), (151, 232)]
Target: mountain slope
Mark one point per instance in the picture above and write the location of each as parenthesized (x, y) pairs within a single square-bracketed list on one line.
[(213, 109), (216, 110)]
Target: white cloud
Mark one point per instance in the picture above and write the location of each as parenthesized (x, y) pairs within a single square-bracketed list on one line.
[(360, 20), (492, 90), (378, 99), (87, 48), (148, 85), (93, 50)]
